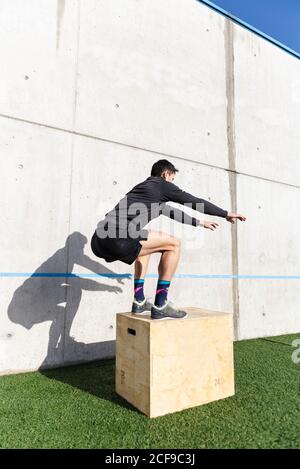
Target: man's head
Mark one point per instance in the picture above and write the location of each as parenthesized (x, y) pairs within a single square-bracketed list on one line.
[(165, 169)]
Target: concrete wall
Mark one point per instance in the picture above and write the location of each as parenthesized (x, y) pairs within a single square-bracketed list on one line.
[(91, 95)]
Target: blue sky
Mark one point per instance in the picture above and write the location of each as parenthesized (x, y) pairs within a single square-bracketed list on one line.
[(279, 19)]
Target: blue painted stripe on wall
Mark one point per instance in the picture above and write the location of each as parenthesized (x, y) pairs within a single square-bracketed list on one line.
[(128, 275)]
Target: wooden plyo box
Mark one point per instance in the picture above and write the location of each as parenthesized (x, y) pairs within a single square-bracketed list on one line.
[(165, 366)]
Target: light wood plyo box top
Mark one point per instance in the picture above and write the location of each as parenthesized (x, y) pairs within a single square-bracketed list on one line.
[(193, 313)]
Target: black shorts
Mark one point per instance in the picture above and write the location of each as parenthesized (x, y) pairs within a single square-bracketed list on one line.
[(118, 249)]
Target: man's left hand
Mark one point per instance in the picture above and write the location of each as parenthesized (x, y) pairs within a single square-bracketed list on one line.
[(231, 217)]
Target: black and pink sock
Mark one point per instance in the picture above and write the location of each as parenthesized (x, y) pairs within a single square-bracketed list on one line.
[(161, 292), (139, 289)]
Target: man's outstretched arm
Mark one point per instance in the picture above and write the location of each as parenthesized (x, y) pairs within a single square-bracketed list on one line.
[(178, 215), (173, 193)]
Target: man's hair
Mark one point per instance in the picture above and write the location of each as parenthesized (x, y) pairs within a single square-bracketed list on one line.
[(162, 165)]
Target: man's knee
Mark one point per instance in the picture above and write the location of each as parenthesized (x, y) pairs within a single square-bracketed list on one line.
[(177, 243)]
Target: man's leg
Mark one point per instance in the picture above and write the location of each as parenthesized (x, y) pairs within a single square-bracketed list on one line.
[(166, 268), (140, 270), (170, 248), (169, 261), (157, 242)]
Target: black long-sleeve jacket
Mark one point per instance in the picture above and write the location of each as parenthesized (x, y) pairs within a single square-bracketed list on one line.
[(146, 201)]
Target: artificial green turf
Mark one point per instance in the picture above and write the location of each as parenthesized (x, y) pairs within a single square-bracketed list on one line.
[(76, 407)]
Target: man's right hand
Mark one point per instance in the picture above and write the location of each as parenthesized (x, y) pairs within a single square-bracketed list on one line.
[(210, 225)]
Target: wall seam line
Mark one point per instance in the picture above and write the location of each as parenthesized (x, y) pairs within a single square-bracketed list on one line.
[(229, 77), (75, 83), (155, 152)]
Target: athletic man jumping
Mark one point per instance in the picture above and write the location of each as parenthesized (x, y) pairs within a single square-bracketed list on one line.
[(120, 235)]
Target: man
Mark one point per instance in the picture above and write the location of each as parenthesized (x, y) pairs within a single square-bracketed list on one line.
[(120, 235)]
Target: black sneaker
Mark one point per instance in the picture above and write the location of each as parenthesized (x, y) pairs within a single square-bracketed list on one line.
[(167, 311), (141, 307)]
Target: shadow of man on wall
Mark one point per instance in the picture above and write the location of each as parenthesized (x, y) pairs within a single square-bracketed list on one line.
[(51, 295)]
